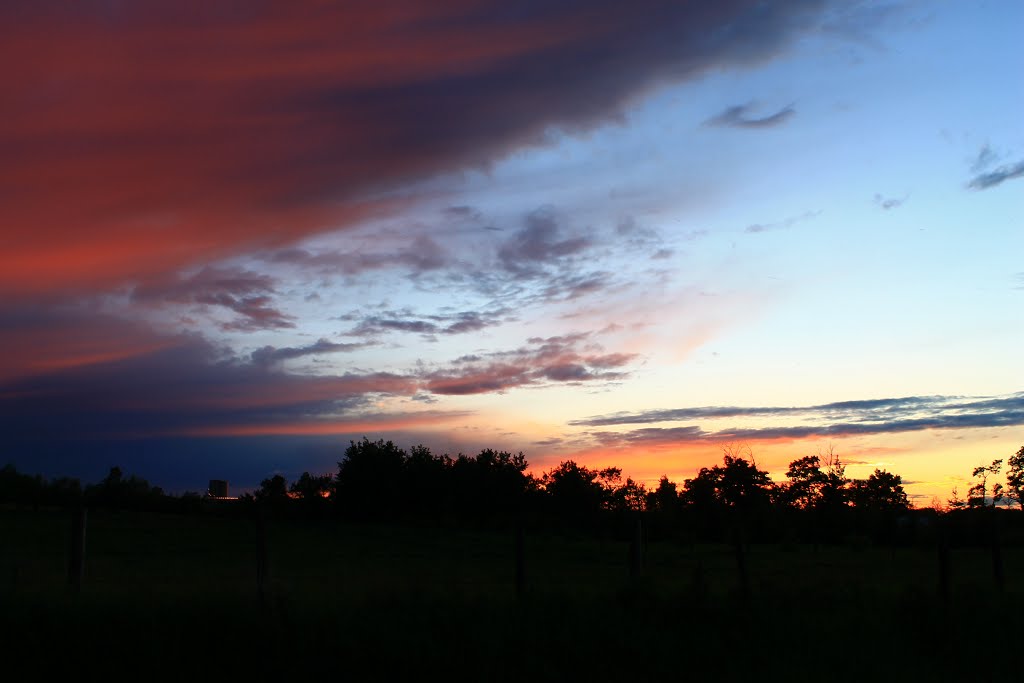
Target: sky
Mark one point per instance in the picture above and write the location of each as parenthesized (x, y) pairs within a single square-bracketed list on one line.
[(237, 235)]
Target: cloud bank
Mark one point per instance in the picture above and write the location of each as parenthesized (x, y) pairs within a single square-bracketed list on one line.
[(844, 418), (176, 134)]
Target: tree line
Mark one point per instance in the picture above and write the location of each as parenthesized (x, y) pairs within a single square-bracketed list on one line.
[(379, 481)]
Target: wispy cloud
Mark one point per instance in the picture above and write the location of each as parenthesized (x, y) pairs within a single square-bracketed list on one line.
[(446, 324), (888, 203), (422, 255), (269, 355), (986, 158), (1000, 175), (783, 224), (244, 292), (874, 416), (741, 116), (558, 360), (541, 241)]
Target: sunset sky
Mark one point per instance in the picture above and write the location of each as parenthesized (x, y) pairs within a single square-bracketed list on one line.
[(236, 235)]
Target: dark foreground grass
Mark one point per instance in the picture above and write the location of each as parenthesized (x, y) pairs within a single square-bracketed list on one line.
[(174, 598), (626, 637)]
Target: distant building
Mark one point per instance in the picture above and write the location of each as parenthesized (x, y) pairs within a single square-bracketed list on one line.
[(218, 489)]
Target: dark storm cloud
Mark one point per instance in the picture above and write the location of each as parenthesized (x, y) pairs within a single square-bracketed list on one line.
[(739, 116)]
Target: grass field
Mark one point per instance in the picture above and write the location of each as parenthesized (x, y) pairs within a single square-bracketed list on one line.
[(172, 597)]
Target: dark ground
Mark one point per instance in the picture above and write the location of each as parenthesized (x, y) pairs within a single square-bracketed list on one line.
[(174, 597)]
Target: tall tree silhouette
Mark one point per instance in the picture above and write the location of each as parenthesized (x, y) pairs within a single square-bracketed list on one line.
[(116, 490), (370, 479), (733, 493), (664, 500), (426, 482), (273, 490), (492, 483), (312, 492), (806, 481), (881, 492), (980, 492), (1015, 477), (577, 492)]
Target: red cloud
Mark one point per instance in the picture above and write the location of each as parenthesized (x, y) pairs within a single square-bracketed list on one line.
[(144, 136), (554, 359)]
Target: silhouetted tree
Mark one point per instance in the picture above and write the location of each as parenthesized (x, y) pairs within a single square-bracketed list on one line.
[(370, 479), (664, 510), (664, 500), (63, 491), (979, 493), (881, 492), (492, 483), (312, 491), (578, 492), (629, 497), (834, 489), (735, 492), (741, 485), (273, 489), (806, 481), (115, 490), (20, 488), (701, 503), (1015, 477)]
